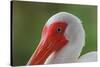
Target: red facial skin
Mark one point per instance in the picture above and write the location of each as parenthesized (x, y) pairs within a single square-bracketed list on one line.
[(52, 39)]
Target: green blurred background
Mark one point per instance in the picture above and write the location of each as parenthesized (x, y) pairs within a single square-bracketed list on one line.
[(30, 17)]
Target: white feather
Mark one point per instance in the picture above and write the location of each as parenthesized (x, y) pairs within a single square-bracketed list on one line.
[(88, 57)]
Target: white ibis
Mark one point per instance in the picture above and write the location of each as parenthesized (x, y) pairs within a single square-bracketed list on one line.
[(62, 40)]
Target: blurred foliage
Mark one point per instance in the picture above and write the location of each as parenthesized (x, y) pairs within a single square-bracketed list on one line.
[(29, 18)]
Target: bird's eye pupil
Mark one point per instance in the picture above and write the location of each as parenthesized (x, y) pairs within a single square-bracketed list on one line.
[(58, 29)]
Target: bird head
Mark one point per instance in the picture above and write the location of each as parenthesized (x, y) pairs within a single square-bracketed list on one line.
[(54, 36)]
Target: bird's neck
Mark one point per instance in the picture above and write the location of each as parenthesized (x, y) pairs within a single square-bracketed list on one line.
[(71, 51)]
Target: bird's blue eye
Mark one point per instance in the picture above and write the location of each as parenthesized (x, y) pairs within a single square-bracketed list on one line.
[(58, 29)]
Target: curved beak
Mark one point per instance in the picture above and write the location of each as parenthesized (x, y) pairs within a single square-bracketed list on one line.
[(46, 46)]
